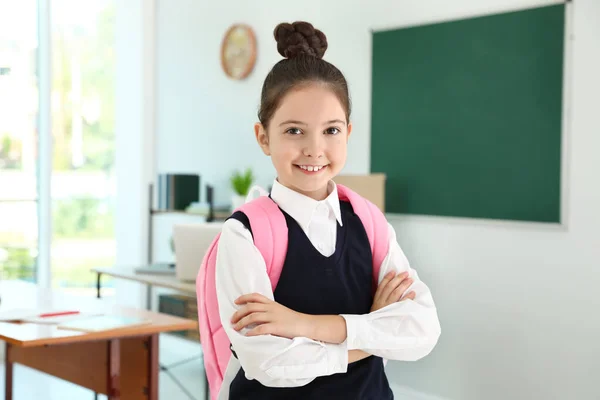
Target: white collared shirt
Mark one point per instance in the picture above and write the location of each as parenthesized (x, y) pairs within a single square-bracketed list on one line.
[(316, 218), (407, 330)]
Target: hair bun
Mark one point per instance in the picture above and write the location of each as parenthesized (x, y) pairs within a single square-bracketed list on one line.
[(299, 38)]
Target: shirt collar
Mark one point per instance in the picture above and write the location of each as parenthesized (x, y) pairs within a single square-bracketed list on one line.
[(301, 207)]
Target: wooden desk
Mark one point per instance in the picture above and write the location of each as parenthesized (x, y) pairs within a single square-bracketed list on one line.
[(150, 280), (123, 364)]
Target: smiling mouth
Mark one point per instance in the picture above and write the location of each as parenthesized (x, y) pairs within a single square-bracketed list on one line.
[(311, 169)]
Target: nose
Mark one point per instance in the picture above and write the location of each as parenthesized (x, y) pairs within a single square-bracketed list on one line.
[(314, 146)]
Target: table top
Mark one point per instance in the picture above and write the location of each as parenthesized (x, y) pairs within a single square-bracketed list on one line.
[(159, 280), (17, 295)]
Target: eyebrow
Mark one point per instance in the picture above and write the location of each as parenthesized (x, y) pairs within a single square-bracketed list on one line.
[(294, 122), (291, 121)]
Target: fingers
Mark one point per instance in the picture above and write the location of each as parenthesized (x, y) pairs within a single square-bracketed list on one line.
[(397, 293), (246, 310), (382, 285), (254, 318), (252, 298), (253, 310), (410, 296), (388, 277), (263, 329), (392, 285)]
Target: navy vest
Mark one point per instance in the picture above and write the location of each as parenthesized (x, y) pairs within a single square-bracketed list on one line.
[(311, 283)]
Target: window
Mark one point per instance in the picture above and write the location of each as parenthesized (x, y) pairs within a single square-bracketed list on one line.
[(83, 184), (18, 140), (82, 181)]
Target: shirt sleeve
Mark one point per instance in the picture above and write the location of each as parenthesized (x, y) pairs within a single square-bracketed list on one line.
[(272, 360), (407, 330)]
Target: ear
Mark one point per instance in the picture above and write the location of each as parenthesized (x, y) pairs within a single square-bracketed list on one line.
[(262, 138), (349, 128)]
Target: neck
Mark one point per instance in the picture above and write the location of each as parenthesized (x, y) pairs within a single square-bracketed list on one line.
[(318, 195)]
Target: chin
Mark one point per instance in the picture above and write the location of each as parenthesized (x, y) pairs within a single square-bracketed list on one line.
[(310, 183)]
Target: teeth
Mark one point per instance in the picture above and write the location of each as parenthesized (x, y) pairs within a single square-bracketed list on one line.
[(311, 168)]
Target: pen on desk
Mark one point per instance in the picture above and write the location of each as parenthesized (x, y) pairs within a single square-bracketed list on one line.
[(58, 314)]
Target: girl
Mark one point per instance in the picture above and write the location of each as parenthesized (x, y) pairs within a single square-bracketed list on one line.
[(322, 334)]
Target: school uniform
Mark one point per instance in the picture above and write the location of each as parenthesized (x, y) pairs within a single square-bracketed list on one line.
[(328, 270)]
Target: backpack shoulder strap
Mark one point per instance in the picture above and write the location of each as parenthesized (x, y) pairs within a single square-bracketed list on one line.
[(375, 225), (269, 230)]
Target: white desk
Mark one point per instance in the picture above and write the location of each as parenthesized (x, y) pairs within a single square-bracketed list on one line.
[(150, 280)]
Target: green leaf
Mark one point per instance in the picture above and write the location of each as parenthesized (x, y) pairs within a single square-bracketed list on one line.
[(242, 181)]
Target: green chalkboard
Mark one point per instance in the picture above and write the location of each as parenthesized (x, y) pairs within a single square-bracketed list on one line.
[(467, 116)]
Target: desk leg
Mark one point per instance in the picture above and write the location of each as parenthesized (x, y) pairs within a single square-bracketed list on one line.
[(98, 285), (8, 373), (149, 297), (153, 367), (98, 288), (114, 369)]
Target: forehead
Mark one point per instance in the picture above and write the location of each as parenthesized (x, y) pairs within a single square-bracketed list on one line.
[(310, 104)]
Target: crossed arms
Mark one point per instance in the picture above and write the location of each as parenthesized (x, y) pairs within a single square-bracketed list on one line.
[(283, 348)]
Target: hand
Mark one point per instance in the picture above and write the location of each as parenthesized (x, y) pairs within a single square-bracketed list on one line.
[(391, 289), (269, 318)]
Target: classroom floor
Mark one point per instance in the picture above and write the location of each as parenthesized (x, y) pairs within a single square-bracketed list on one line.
[(31, 384)]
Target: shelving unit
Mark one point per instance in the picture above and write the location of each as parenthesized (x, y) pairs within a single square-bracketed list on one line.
[(212, 215)]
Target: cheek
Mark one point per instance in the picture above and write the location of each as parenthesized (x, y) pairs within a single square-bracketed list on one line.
[(282, 153), (338, 150)]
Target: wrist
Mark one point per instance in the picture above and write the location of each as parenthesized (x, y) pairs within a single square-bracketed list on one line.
[(309, 327), (327, 328)]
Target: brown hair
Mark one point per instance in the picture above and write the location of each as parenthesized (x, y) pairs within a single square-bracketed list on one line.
[(303, 47)]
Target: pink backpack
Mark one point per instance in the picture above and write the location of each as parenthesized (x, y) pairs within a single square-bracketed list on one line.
[(269, 230)]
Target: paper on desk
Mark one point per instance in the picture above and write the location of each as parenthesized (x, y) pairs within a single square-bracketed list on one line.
[(18, 314), (32, 315), (59, 319)]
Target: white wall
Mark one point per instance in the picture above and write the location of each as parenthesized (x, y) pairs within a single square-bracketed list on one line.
[(519, 316), (205, 120), (134, 133)]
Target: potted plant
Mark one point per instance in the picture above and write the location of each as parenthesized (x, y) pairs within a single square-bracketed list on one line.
[(241, 183)]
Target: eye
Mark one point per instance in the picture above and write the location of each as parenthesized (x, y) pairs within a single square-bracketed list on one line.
[(293, 131), (332, 131)]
